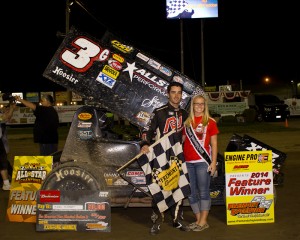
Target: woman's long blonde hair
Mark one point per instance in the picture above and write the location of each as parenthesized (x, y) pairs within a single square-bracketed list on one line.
[(190, 120)]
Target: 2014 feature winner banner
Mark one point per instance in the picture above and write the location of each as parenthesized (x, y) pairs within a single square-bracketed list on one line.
[(249, 187), (29, 173)]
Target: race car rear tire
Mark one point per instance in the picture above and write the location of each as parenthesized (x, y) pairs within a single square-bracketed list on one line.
[(72, 176)]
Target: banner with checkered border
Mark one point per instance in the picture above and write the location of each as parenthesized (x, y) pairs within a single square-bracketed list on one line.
[(163, 153)]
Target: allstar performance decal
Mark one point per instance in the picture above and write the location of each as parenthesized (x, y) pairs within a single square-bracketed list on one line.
[(147, 78)]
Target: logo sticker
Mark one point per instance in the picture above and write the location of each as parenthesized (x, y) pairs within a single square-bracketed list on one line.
[(106, 80)]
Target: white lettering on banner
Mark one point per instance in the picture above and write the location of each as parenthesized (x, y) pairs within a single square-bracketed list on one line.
[(20, 195), (21, 209), (69, 77)]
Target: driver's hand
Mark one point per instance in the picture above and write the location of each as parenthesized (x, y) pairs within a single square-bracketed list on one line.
[(145, 149)]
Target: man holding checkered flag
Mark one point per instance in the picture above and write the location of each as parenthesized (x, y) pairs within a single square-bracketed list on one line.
[(163, 162)]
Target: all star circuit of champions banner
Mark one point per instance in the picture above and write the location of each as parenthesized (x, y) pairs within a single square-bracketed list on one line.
[(249, 187), (29, 172)]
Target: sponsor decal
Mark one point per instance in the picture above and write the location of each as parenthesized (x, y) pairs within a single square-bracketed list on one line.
[(146, 78), (166, 71), (241, 167), (138, 180), (84, 124), (258, 205), (118, 58), (31, 173), (106, 80), (143, 57), (121, 182), (215, 194), (263, 158), (143, 116), (111, 174), (69, 77), (171, 124), (30, 176), (97, 226), (122, 47), (84, 116), (154, 102), (85, 134), (154, 64), (109, 71), (113, 179), (103, 194), (178, 79), (115, 64), (62, 173), (49, 196), (134, 173), (253, 146)]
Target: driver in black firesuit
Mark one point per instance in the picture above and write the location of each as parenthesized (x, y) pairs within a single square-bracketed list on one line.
[(163, 120)]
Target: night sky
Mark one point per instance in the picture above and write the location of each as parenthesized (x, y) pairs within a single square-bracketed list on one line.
[(249, 41)]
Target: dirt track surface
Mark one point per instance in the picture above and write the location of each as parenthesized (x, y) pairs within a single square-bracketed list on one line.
[(286, 142), (134, 223)]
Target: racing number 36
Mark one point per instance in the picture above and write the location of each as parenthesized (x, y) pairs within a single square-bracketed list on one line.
[(86, 52)]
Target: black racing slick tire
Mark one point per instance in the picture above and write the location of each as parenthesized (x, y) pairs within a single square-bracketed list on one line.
[(72, 176)]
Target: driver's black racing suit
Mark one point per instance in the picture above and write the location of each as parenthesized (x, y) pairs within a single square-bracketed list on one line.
[(163, 120)]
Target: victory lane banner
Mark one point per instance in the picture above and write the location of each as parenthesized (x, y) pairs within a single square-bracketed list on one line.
[(83, 210), (249, 187), (28, 175)]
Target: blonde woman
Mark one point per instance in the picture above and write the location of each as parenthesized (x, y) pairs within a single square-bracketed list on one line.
[(200, 152)]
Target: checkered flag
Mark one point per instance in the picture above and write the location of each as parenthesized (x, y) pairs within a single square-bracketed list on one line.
[(165, 171), (175, 7)]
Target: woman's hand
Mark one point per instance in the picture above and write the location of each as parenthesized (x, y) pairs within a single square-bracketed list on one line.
[(212, 168)]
